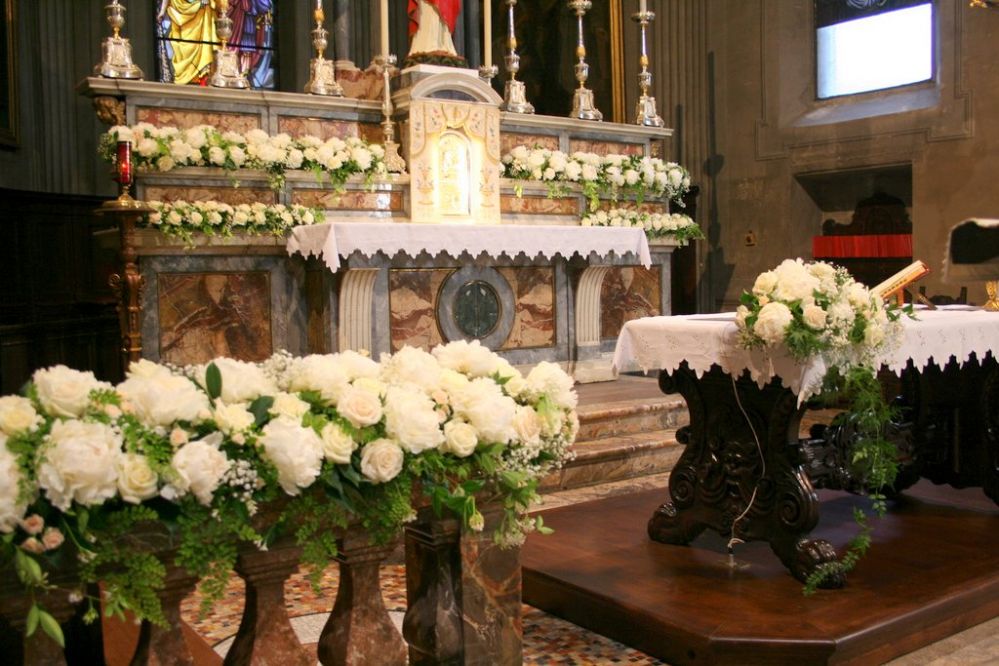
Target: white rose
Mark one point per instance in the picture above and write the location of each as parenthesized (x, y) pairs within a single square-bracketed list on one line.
[(741, 313), (337, 444), (296, 451), (874, 334), (11, 510), (360, 407), (772, 321), (515, 383), (765, 283), (814, 316), (65, 392), (460, 438), (381, 460), (411, 418), (200, 466), (161, 399), (371, 385), (549, 379), (78, 463), (232, 418), (858, 295), (136, 479), (482, 403), (289, 406), (452, 381), (319, 373), (17, 414), (527, 425), (794, 281), (470, 358)]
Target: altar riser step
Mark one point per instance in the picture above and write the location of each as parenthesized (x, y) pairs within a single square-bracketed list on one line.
[(616, 459), (615, 419)]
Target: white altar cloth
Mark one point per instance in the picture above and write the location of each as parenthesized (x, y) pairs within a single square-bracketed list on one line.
[(663, 343), (331, 241)]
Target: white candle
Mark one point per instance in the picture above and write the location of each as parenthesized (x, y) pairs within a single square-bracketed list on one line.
[(643, 6), (319, 5), (487, 33), (383, 17)]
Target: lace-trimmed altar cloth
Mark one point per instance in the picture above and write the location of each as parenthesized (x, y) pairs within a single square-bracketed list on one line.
[(331, 241), (663, 343)]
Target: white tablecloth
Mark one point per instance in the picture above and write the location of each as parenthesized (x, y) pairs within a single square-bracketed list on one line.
[(331, 241), (663, 343)]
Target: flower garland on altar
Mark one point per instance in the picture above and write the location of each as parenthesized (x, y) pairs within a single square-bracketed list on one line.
[(678, 226), (607, 176), (181, 219), (818, 310), (162, 149), (318, 441)]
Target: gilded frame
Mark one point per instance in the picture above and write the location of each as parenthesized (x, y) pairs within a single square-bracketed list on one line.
[(8, 71)]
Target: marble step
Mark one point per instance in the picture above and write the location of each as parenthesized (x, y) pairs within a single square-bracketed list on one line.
[(632, 416), (616, 458)]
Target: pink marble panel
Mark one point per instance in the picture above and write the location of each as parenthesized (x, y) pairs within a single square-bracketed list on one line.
[(413, 307), (360, 83), (327, 199), (371, 132), (230, 195), (186, 118), (534, 311), (541, 205), (645, 206), (628, 292), (605, 147), (204, 315), (510, 140), (324, 128)]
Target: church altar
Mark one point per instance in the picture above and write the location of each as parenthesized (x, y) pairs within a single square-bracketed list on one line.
[(559, 300), (745, 413)]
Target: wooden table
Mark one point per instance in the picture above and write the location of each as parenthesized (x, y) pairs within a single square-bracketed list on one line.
[(745, 414)]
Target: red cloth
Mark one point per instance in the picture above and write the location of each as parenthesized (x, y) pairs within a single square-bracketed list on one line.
[(448, 9), (874, 245)]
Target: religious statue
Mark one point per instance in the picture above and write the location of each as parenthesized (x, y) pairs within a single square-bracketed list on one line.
[(431, 26), (190, 27)]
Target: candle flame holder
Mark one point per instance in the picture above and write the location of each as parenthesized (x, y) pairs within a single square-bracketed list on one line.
[(514, 91), (646, 111), (583, 106), (322, 72), (226, 69), (116, 61)]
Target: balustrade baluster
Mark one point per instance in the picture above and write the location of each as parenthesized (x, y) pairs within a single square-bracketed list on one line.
[(166, 646)]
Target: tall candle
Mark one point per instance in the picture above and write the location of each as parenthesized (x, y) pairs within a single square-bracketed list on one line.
[(383, 17), (487, 33), (643, 6), (319, 5)]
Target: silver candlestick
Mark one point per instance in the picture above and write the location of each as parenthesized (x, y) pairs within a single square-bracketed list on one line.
[(393, 160), (226, 70), (322, 72), (488, 73), (116, 62), (514, 94), (646, 114), (582, 99)]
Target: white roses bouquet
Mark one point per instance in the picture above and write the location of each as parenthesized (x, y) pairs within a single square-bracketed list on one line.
[(607, 175), (160, 149), (202, 448), (656, 225), (181, 219)]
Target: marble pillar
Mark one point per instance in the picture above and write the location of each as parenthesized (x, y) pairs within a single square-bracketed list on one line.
[(341, 33)]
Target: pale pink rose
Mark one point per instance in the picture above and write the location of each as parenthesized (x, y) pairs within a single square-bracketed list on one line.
[(52, 538), (33, 524)]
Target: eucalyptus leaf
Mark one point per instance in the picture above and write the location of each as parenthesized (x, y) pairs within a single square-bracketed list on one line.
[(213, 381), (32, 621), (52, 628)]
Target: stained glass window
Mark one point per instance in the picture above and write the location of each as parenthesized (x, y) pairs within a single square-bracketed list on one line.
[(186, 39)]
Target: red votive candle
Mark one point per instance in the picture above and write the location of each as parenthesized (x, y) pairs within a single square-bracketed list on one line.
[(124, 163)]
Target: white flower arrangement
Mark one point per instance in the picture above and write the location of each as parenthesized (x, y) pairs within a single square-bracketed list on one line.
[(678, 226), (608, 175), (182, 219), (202, 448), (162, 149)]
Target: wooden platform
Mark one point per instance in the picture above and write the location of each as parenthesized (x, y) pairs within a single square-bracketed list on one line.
[(932, 572)]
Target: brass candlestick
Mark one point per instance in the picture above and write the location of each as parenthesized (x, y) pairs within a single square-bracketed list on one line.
[(992, 291), (322, 72), (514, 91), (226, 70), (647, 114), (128, 283), (117, 62), (393, 160), (583, 106)]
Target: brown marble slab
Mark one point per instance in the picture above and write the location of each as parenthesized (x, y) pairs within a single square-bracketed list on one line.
[(230, 195), (605, 147), (534, 311), (187, 118), (644, 207), (628, 292), (510, 140), (329, 200), (413, 307), (323, 128), (536, 205), (204, 315)]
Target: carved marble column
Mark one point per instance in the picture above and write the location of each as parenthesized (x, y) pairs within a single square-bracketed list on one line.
[(341, 32), (356, 294), (265, 636), (359, 631), (166, 646)]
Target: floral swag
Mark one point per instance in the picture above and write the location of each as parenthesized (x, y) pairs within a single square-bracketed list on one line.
[(230, 453), (677, 226)]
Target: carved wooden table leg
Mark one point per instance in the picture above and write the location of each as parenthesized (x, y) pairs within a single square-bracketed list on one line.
[(265, 636), (360, 632), (433, 625), (166, 646), (713, 483)]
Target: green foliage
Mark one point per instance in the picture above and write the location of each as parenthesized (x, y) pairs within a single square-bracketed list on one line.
[(213, 381)]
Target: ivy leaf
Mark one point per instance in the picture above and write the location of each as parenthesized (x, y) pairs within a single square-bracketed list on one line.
[(213, 381), (260, 408), (52, 628), (32, 622)]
